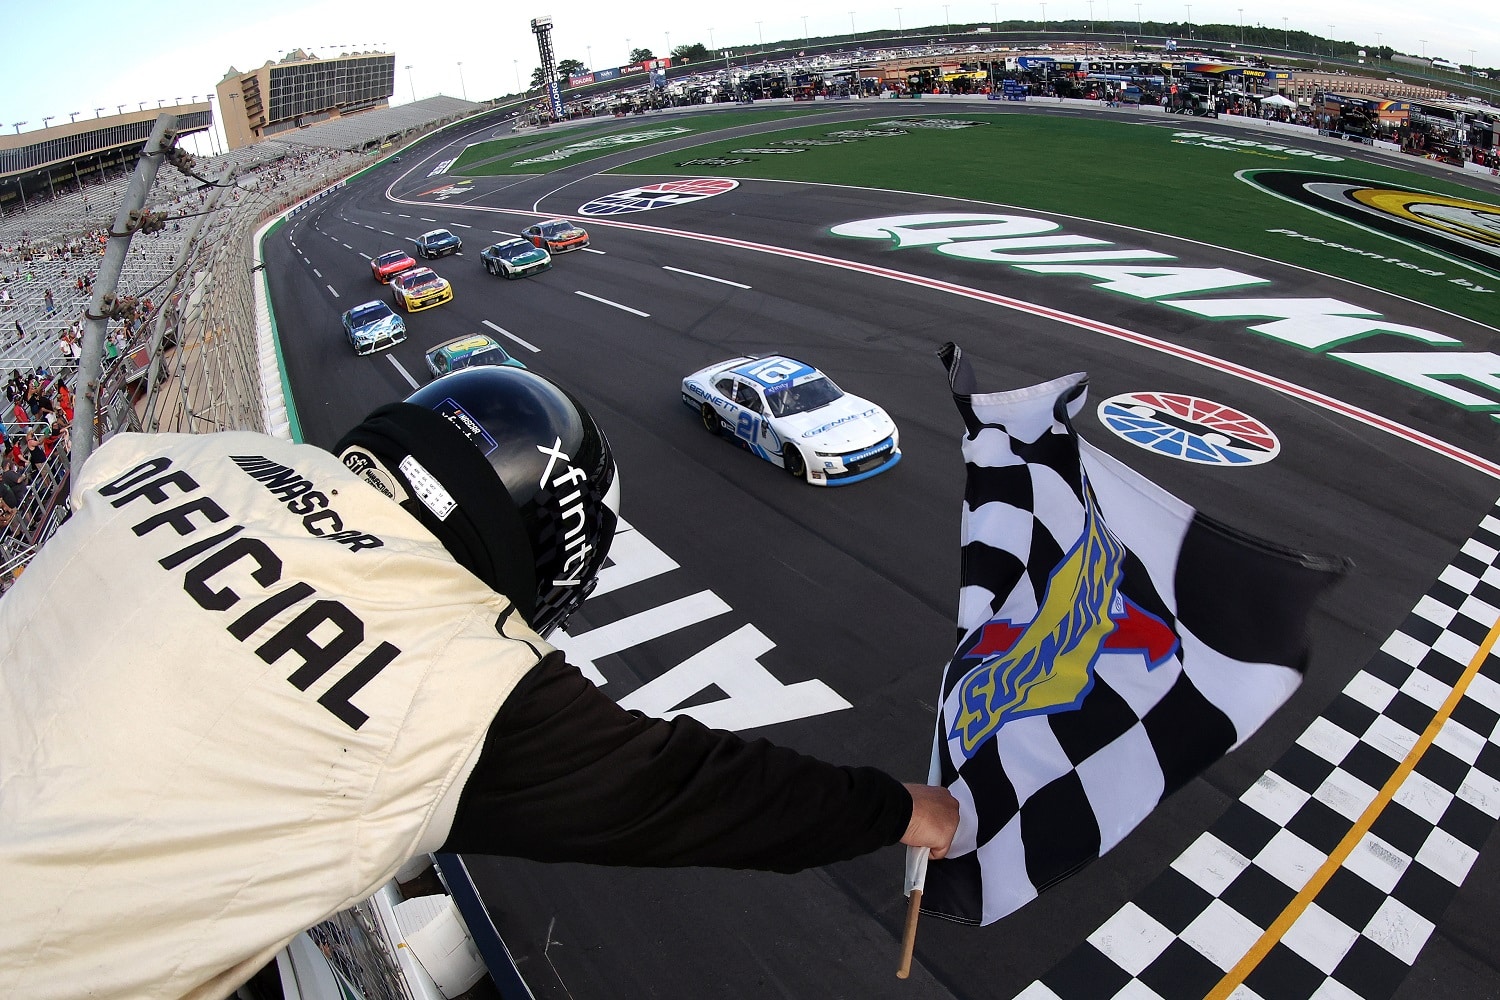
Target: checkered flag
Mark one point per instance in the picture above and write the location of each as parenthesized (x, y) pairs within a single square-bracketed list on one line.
[(1112, 643)]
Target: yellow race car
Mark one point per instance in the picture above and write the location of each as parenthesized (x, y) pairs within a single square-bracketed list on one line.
[(420, 288)]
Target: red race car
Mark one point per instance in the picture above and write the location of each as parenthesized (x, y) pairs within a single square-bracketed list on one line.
[(388, 265)]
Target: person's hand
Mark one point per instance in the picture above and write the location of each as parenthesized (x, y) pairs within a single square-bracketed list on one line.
[(934, 819)]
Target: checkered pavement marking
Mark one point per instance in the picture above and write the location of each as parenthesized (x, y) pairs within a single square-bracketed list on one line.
[(1365, 925)]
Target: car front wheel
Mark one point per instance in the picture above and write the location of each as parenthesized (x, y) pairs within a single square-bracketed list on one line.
[(792, 459), (710, 419)]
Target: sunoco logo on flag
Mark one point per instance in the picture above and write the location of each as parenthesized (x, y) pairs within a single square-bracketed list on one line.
[(1113, 643)]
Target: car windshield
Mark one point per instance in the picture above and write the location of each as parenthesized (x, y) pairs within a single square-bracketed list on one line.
[(514, 249), (784, 400), (556, 228), (368, 314), (486, 356), (416, 279), (392, 257), (438, 235)]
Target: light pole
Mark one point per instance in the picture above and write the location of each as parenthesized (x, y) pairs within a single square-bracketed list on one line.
[(995, 16), (669, 44), (461, 86), (1091, 17), (1286, 42), (1424, 47), (1138, 29), (96, 112), (853, 34), (947, 21), (1330, 41), (1044, 18), (516, 65), (47, 119), (1190, 20), (761, 35), (73, 115), (899, 29), (710, 38), (1471, 67), (412, 83), (17, 126), (1242, 25)]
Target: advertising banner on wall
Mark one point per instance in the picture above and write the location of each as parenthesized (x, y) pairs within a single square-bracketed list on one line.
[(554, 99)]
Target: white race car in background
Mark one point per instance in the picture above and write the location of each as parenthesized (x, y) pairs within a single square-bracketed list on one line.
[(792, 415)]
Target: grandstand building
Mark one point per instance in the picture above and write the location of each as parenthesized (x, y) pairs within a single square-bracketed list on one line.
[(302, 90), (36, 165)]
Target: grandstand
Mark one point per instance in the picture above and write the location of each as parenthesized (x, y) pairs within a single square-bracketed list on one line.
[(188, 285), (374, 129)]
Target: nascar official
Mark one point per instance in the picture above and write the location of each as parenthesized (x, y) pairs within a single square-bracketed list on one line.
[(298, 670)]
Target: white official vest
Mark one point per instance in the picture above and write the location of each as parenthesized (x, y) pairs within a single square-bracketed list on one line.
[(236, 684)]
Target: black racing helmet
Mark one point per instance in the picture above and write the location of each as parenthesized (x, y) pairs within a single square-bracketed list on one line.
[(555, 464), (560, 498)]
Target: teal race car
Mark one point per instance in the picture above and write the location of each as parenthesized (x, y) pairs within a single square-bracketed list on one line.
[(515, 258), (467, 351)]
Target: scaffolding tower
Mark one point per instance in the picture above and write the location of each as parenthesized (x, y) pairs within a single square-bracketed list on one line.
[(541, 27)]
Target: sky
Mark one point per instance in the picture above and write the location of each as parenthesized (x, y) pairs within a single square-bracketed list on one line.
[(81, 55)]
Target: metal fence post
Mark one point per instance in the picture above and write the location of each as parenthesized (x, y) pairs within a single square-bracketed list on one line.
[(91, 360)]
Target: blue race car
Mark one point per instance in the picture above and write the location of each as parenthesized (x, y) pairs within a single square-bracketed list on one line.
[(373, 326), (437, 243)]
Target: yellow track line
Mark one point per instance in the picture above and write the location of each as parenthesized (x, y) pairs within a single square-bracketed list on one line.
[(1295, 908)]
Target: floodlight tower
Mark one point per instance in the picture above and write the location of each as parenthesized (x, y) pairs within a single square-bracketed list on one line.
[(541, 27)]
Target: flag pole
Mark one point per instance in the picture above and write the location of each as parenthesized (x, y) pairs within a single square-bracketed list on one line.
[(916, 878), (909, 938)]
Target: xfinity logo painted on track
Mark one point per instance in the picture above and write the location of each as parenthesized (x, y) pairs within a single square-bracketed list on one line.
[(603, 142), (1213, 141), (1189, 428), (1036, 246), (653, 196)]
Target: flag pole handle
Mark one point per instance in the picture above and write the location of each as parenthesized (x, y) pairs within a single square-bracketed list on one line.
[(909, 937)]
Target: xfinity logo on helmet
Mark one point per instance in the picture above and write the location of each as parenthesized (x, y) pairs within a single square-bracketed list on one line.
[(571, 514)]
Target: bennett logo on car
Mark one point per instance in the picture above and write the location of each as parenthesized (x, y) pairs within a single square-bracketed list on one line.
[(1189, 428), (653, 196)]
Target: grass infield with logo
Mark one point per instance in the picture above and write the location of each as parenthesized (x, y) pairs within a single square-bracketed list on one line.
[(1164, 177), (550, 150)]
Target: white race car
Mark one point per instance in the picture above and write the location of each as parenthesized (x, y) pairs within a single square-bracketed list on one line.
[(792, 415)]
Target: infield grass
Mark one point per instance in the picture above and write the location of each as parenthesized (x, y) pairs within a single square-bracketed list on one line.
[(1121, 172), (537, 153)]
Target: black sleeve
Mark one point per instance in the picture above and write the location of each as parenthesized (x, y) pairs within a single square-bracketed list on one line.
[(568, 775)]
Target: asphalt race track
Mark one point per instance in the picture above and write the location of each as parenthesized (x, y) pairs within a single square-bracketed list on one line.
[(824, 616)]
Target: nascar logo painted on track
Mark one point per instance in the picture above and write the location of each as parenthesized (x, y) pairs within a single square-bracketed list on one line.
[(1047, 665), (1457, 228), (650, 197), (1189, 428)]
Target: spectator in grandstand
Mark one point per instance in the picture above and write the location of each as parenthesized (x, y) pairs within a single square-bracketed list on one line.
[(67, 347), (249, 766)]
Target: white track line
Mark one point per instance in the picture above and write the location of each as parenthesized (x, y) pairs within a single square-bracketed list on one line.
[(404, 373), (333, 290), (705, 277), (644, 315), (506, 333)]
